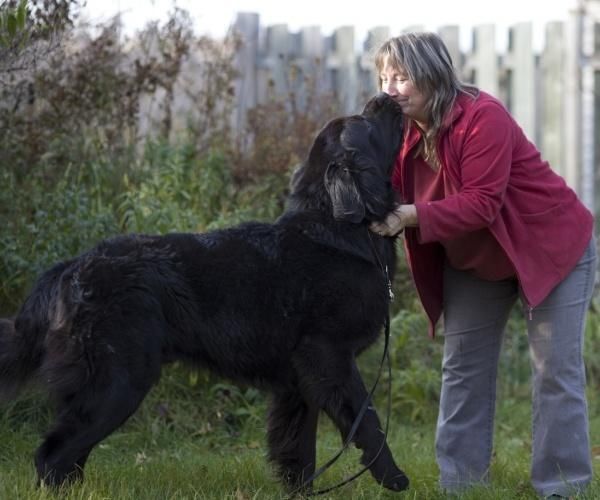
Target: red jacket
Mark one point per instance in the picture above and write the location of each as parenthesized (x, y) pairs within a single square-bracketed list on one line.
[(502, 184)]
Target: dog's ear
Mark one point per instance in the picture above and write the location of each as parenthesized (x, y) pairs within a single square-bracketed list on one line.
[(297, 176), (345, 197)]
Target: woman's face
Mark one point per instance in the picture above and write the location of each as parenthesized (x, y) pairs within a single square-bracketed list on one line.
[(395, 83)]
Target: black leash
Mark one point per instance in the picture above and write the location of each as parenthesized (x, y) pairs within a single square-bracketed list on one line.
[(364, 407)]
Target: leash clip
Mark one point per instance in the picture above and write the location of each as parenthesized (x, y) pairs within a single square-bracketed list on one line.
[(389, 284)]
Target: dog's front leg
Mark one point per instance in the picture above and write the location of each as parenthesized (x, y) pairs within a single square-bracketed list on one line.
[(331, 379), (291, 436)]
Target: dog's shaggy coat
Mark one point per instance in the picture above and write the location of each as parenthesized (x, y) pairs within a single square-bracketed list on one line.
[(285, 306)]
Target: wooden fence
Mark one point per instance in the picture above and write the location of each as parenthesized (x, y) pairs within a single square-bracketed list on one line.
[(553, 94)]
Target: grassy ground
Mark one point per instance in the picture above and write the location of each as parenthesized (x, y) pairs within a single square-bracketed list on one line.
[(210, 445)]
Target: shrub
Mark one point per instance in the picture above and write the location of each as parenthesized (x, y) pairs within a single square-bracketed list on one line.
[(44, 226)]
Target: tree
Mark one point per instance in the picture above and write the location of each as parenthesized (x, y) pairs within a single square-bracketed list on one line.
[(29, 31)]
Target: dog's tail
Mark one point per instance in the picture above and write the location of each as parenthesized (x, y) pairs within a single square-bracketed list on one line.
[(20, 358), (22, 338)]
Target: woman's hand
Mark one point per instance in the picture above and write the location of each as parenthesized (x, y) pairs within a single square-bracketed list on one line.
[(395, 222)]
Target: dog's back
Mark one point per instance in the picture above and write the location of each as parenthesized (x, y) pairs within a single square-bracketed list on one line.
[(235, 301), (138, 301)]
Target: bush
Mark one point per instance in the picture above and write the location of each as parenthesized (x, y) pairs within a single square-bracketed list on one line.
[(42, 227)]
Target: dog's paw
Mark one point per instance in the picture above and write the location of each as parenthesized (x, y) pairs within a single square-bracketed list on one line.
[(386, 473), (398, 482)]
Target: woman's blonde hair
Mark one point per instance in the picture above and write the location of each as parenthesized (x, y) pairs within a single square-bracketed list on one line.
[(427, 63)]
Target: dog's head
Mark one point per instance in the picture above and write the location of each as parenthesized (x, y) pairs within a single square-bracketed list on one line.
[(348, 169)]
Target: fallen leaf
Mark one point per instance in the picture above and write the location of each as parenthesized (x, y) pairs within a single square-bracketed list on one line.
[(240, 495)]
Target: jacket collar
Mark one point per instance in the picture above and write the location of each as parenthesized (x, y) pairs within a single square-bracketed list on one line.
[(413, 133)]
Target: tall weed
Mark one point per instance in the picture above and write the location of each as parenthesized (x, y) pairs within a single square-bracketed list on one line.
[(176, 192)]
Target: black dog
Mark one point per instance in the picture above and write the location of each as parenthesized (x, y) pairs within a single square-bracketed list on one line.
[(284, 306)]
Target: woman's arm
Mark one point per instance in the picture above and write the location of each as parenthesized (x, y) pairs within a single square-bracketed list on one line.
[(484, 168)]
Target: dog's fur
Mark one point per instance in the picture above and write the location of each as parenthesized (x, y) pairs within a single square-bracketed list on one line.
[(284, 306)]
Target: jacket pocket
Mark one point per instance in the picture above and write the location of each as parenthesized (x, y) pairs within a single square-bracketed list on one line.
[(551, 231)]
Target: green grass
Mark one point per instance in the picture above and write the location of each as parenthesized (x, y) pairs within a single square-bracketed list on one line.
[(187, 443)]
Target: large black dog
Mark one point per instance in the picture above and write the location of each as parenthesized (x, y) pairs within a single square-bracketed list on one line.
[(285, 306)]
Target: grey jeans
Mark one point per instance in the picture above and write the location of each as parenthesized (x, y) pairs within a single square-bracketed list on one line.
[(475, 314)]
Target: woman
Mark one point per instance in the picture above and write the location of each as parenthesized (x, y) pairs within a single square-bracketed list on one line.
[(486, 221)]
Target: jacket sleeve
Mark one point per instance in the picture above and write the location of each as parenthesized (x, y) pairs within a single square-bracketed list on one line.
[(484, 168)]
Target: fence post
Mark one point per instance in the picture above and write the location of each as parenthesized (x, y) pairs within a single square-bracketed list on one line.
[(310, 62), (593, 58), (552, 113), (368, 78), (481, 65), (342, 63), (589, 42), (274, 63), (247, 27), (451, 37), (572, 100), (520, 67)]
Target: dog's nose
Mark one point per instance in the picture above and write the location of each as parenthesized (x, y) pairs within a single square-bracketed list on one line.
[(382, 99)]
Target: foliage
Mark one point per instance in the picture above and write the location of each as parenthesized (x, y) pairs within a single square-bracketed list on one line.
[(280, 132), (178, 192), (45, 226), (30, 30), (208, 86), (592, 345), (13, 20)]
